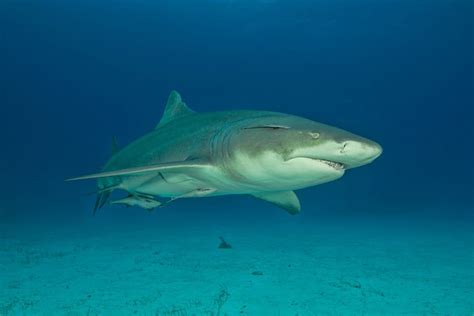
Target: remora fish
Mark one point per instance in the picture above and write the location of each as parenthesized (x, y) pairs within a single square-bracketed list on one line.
[(264, 154), (141, 201)]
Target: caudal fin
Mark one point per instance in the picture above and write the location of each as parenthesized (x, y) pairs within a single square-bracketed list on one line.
[(101, 200)]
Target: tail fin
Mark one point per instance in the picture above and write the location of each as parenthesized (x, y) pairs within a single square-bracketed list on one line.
[(100, 201), (103, 196), (104, 193)]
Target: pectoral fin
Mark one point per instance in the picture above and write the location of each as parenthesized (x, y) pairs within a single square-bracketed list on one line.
[(181, 166), (284, 199)]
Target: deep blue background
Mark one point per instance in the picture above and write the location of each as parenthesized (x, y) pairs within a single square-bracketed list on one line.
[(75, 73)]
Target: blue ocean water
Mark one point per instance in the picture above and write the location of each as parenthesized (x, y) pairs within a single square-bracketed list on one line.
[(390, 238)]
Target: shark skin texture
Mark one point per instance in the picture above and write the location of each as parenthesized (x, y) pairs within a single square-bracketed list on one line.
[(265, 154)]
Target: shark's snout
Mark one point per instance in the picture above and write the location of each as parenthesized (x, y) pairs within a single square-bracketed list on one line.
[(355, 153), (338, 149)]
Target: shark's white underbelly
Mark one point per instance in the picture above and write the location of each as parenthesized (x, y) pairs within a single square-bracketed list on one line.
[(267, 173), (169, 184)]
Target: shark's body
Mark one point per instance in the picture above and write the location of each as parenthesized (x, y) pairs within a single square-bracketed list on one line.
[(265, 154)]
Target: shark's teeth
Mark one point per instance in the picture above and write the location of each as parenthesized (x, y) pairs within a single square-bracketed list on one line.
[(335, 165)]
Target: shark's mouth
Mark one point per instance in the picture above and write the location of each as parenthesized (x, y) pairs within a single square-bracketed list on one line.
[(334, 164)]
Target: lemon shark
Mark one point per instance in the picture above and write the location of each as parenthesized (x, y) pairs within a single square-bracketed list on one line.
[(268, 155)]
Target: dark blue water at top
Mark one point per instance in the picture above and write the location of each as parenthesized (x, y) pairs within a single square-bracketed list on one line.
[(73, 74)]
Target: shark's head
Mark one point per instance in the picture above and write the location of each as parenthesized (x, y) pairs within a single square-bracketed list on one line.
[(293, 152)]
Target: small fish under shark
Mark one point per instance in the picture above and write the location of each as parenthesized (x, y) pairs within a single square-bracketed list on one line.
[(268, 155), (148, 203)]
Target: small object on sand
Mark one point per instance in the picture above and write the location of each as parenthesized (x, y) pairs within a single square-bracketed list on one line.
[(257, 273), (352, 283), (224, 244)]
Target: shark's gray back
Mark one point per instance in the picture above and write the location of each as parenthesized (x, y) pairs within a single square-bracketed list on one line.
[(186, 137)]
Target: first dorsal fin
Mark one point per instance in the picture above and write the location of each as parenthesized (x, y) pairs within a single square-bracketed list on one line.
[(175, 107)]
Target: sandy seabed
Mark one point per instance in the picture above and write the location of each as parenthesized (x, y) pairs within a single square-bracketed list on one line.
[(310, 268)]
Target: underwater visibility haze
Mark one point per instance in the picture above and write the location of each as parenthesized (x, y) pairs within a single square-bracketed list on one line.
[(273, 95)]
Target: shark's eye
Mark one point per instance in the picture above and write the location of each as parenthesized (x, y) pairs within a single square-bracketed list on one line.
[(268, 127)]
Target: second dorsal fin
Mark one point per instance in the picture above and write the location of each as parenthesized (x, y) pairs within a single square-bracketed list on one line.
[(115, 147), (175, 108)]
